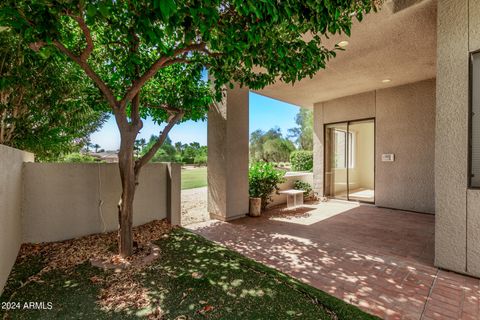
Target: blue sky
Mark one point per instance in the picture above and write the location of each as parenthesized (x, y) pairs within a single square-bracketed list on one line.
[(265, 113)]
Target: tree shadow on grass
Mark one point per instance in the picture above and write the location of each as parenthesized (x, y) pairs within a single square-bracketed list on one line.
[(193, 279)]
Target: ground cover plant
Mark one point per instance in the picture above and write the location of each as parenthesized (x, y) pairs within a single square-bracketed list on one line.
[(193, 279)]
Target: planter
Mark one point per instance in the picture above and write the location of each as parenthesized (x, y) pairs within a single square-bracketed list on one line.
[(255, 207)]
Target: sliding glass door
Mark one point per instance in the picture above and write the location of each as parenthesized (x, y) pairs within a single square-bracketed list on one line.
[(350, 160)]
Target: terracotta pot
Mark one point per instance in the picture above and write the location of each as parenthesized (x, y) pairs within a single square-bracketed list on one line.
[(255, 207)]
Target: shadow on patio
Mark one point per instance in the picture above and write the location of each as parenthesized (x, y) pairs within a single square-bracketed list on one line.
[(378, 259)]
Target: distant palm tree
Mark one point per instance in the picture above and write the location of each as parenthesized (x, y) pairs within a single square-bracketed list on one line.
[(96, 146), (88, 145)]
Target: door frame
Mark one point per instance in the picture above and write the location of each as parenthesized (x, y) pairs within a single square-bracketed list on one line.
[(374, 156)]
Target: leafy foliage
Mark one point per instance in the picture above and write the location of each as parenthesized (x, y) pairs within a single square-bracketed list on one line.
[(78, 157), (192, 153), (303, 134), (250, 42), (270, 146), (200, 160), (166, 153), (146, 57), (301, 160), (305, 186), (47, 105), (263, 180)]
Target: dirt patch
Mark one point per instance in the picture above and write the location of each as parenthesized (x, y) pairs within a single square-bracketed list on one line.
[(194, 206), (121, 289)]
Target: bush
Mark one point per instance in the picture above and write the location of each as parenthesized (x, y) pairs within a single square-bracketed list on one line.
[(200, 160), (301, 160), (263, 180), (78, 157), (305, 186)]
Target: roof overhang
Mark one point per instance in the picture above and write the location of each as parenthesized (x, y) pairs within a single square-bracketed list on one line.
[(398, 44)]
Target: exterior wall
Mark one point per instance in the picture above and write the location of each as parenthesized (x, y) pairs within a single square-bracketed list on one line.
[(11, 163), (457, 208), (228, 156), (68, 200), (404, 125), (290, 178)]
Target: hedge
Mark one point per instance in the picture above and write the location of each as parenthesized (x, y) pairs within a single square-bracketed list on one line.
[(301, 160)]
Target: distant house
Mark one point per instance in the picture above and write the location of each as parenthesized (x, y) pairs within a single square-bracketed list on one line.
[(106, 156)]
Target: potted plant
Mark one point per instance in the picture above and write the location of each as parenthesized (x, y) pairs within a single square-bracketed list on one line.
[(263, 180)]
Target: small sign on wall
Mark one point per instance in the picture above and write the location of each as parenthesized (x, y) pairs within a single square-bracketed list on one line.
[(388, 157)]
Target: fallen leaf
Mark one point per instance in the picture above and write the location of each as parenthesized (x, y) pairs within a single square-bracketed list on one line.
[(206, 309)]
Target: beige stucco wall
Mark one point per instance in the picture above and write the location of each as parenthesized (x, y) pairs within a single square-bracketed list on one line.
[(68, 200), (457, 209), (11, 163), (405, 125)]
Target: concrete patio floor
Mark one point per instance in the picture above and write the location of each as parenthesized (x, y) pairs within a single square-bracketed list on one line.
[(378, 259)]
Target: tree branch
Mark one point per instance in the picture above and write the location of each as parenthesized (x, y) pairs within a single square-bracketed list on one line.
[(149, 155), (88, 36), (81, 60), (157, 65), (88, 70), (135, 111)]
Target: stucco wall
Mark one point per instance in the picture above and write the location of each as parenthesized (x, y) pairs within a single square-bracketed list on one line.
[(68, 200), (11, 163), (457, 234), (405, 125)]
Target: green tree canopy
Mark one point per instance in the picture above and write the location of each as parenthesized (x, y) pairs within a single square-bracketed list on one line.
[(47, 105), (270, 146), (131, 48), (166, 153), (303, 134)]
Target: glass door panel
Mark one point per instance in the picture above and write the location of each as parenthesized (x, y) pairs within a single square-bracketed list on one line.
[(350, 160), (361, 169), (336, 161)]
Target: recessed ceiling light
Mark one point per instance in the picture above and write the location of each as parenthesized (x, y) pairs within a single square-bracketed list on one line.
[(386, 80), (343, 44)]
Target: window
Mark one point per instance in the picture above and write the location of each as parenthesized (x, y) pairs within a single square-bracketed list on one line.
[(475, 121), (341, 151)]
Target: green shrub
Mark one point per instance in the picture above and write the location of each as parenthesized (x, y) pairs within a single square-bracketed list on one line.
[(200, 160), (263, 180), (305, 186), (301, 160), (78, 157)]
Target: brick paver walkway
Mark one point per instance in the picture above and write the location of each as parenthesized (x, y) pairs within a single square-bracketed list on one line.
[(378, 259)]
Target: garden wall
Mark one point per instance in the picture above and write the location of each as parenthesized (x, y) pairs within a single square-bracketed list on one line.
[(11, 163), (290, 178), (41, 202), (69, 200)]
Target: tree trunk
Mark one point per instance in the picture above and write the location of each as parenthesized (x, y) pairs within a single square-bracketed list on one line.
[(126, 163)]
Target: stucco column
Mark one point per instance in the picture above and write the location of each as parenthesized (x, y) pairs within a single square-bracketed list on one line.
[(318, 149), (228, 156)]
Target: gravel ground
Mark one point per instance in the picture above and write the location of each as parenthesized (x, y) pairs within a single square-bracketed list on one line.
[(194, 206)]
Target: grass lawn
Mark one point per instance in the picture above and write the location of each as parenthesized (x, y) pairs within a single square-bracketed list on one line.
[(194, 178), (193, 279)]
